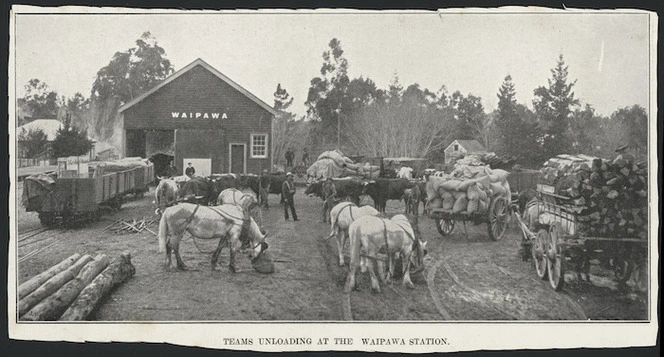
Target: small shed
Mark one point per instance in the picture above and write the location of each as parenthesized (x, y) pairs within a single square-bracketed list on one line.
[(465, 147)]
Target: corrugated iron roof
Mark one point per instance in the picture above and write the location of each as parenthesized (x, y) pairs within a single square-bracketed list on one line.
[(472, 145)]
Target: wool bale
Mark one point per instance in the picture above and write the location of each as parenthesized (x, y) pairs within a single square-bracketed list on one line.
[(473, 204), (482, 206), (498, 175), (448, 202), (497, 189), (458, 194), (451, 185), (460, 204)]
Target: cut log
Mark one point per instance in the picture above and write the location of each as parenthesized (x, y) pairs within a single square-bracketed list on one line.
[(31, 285), (51, 285), (53, 306), (119, 271)]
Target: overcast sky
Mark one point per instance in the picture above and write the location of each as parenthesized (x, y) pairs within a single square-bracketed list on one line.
[(471, 52)]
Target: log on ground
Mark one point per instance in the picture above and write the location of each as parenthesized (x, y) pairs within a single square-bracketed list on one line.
[(119, 271), (36, 281), (51, 285), (52, 307)]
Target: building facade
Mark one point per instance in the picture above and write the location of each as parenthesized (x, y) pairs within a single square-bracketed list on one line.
[(200, 116), (463, 147)]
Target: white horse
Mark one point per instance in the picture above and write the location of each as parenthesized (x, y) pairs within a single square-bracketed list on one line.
[(229, 222), (166, 194), (393, 237), (246, 200), (341, 216)]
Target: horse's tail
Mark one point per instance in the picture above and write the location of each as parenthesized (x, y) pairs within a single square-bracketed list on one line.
[(163, 233), (354, 248)]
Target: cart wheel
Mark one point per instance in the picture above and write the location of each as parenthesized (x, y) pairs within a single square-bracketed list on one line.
[(622, 269), (47, 219), (555, 257), (445, 226), (538, 250), (498, 218)]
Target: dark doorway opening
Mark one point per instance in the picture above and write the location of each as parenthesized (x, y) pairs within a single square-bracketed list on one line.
[(161, 161), (136, 143)]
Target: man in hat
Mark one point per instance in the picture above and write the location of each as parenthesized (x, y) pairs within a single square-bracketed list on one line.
[(290, 155), (171, 170), (190, 171), (287, 192), (264, 182), (329, 197)]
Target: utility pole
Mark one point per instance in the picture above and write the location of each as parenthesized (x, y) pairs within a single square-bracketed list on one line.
[(338, 131)]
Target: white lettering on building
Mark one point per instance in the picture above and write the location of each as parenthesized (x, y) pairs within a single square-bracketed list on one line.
[(198, 115)]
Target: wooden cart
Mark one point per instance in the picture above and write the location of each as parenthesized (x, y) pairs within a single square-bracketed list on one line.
[(555, 244), (496, 218)]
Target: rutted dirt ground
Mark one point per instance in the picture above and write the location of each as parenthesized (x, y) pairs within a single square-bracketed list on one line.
[(466, 278)]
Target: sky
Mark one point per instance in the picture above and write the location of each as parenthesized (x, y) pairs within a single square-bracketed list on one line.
[(607, 53)]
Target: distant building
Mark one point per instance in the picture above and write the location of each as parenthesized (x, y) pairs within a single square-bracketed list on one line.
[(462, 148)]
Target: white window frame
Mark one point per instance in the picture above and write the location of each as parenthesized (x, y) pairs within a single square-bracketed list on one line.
[(251, 146)]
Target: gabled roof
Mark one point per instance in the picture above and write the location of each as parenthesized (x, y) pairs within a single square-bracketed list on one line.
[(199, 62), (471, 145), (50, 127)]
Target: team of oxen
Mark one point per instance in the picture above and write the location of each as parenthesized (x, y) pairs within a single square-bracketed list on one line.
[(226, 206)]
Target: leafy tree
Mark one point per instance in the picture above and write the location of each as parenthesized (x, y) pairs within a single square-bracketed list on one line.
[(471, 120), (282, 100), (284, 123), (634, 128), (132, 72), (33, 141), (395, 90), (71, 141), (40, 100), (554, 105)]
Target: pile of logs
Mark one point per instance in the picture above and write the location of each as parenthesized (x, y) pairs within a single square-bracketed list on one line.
[(72, 289), (132, 226), (609, 197)]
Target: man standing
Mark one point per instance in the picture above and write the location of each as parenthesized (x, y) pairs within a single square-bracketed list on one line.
[(287, 192), (264, 182), (329, 195), (190, 171), (290, 155), (305, 157), (171, 170)]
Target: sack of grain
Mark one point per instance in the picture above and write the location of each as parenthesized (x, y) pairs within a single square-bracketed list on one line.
[(460, 205), (435, 203), (482, 206), (451, 185), (448, 202), (473, 205)]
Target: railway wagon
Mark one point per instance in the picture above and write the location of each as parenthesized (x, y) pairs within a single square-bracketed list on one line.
[(75, 198)]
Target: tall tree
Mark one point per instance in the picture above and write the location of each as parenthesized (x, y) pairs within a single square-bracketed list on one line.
[(132, 72), (283, 133), (471, 120), (40, 100), (634, 124), (554, 105), (514, 130), (282, 99)]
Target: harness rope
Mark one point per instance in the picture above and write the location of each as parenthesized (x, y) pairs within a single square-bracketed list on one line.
[(349, 210), (243, 231)]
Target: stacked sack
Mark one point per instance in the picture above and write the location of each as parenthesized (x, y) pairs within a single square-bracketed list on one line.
[(463, 194), (608, 197), (334, 164)]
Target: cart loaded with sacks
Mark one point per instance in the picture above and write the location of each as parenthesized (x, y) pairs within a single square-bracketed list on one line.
[(470, 194), (595, 211)]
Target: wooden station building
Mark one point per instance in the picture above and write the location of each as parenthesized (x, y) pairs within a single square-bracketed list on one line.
[(199, 115)]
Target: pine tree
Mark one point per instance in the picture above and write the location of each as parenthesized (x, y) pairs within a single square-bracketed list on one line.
[(508, 122), (554, 105)]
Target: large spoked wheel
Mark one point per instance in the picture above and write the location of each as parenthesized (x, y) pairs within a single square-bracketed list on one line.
[(622, 269), (444, 226), (538, 251), (555, 257), (498, 218)]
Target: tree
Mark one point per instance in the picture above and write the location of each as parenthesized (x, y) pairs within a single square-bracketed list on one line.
[(283, 124), (40, 100), (554, 105), (281, 99), (71, 141), (471, 120), (634, 128), (508, 122), (33, 142), (132, 72)]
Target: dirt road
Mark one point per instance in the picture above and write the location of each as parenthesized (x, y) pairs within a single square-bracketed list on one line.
[(466, 278)]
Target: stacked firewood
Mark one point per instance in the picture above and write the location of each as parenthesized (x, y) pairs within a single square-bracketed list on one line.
[(609, 197), (72, 289)]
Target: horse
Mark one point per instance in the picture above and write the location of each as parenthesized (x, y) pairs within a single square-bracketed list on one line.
[(370, 235), (229, 222), (166, 194), (247, 201), (341, 216)]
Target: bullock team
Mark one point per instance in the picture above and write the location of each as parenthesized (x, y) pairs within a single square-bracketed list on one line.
[(229, 207)]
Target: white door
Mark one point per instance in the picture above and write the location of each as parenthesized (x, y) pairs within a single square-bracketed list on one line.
[(203, 167)]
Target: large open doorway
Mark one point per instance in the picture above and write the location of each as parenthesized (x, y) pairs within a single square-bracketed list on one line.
[(237, 158)]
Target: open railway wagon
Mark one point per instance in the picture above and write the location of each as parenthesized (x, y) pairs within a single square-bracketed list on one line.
[(481, 200), (72, 196), (556, 243)]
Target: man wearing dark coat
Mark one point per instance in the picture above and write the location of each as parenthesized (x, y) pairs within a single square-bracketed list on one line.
[(329, 197), (264, 182), (190, 171), (171, 170), (290, 156), (287, 192)]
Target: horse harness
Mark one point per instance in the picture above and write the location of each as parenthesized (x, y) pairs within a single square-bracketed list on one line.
[(350, 211), (244, 225)]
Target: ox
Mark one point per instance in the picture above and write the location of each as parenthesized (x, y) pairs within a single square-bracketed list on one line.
[(341, 216), (223, 182), (371, 235), (198, 190), (350, 187), (381, 189), (411, 197)]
